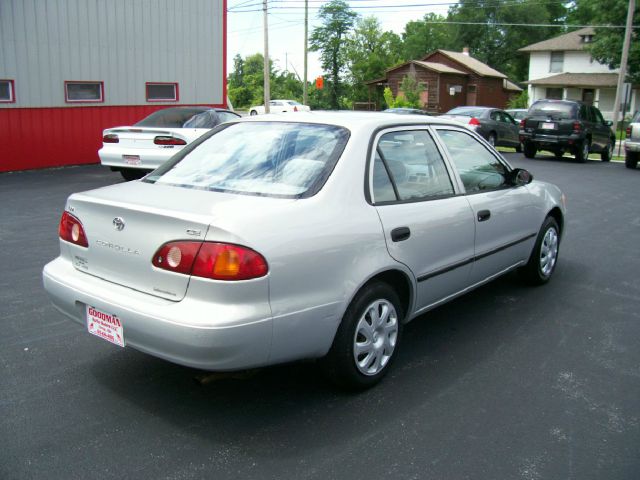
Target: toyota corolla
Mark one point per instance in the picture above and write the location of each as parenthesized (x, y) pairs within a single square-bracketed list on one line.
[(272, 238)]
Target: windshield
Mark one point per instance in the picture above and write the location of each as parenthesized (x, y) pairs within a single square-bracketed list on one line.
[(553, 109), (259, 158), (466, 111), (170, 117)]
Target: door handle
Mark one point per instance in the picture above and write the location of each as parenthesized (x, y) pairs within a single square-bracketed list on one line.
[(400, 234), (484, 215)]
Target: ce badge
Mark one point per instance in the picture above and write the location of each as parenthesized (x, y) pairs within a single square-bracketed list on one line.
[(118, 223)]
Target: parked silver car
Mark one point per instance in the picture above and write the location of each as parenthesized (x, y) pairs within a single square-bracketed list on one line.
[(274, 238), (632, 143)]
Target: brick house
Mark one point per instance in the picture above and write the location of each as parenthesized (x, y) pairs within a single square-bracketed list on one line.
[(451, 79)]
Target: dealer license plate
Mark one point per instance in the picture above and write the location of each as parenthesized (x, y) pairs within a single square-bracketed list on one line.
[(105, 325), (548, 126), (131, 159)]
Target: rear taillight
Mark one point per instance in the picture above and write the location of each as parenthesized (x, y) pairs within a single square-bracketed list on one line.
[(162, 140), (295, 109), (629, 131), (110, 138), (577, 127), (71, 230), (217, 261), (474, 122), (522, 123)]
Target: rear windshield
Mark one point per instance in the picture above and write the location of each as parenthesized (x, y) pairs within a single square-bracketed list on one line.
[(553, 109), (169, 117), (291, 160), (466, 111), (636, 117)]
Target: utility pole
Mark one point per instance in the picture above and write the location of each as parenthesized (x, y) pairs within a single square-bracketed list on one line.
[(623, 62), (305, 99), (267, 79)]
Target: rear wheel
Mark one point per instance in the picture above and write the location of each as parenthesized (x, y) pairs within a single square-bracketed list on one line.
[(366, 342), (582, 152), (253, 112), (132, 173), (544, 256), (558, 154), (631, 160), (605, 155), (518, 148), (530, 150)]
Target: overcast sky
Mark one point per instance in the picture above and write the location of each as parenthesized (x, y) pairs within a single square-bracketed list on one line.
[(286, 26)]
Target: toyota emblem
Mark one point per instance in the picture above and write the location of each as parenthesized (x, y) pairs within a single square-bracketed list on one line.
[(118, 223)]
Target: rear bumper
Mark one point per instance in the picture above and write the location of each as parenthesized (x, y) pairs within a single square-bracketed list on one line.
[(149, 159), (551, 141), (632, 146), (190, 332)]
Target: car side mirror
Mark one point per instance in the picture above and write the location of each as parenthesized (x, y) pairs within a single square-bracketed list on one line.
[(520, 177), (609, 123)]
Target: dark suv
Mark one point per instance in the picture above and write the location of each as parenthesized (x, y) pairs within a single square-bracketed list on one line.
[(561, 126)]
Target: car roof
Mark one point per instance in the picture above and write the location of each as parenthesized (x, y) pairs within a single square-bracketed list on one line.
[(352, 120)]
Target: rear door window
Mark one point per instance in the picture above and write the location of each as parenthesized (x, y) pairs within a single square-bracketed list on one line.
[(409, 167)]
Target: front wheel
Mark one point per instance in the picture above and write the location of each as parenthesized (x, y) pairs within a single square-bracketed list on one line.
[(544, 256), (605, 155), (366, 341), (582, 152), (631, 160)]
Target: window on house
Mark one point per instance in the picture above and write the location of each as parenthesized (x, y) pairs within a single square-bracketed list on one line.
[(84, 91), (557, 62), (554, 93), (6, 91), (162, 92)]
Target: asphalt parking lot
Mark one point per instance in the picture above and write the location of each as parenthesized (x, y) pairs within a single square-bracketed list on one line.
[(508, 382)]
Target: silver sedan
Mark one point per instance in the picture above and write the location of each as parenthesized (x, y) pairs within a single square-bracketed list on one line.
[(273, 238)]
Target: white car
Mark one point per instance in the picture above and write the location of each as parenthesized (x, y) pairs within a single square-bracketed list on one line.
[(289, 237), (135, 151), (280, 106)]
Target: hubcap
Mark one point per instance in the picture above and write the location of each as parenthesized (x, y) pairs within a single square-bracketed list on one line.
[(549, 251), (375, 337)]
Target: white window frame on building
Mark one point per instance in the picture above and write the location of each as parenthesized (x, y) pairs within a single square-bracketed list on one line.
[(99, 98), (11, 97), (556, 62), (162, 98)]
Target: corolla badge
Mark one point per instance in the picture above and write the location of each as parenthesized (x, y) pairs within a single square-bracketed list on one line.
[(118, 223)]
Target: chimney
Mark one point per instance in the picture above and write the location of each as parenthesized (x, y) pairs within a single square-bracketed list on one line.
[(465, 51)]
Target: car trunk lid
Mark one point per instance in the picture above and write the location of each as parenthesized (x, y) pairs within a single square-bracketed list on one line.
[(153, 215), (143, 137)]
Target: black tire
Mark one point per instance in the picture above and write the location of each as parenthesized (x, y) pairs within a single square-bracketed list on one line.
[(518, 148), (132, 173), (535, 272), (582, 151), (340, 365), (605, 155), (558, 154), (492, 139), (631, 160), (253, 112), (530, 150)]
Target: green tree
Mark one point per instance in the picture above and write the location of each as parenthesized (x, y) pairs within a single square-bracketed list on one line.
[(369, 52), (427, 35), (495, 43), (607, 42), (246, 86), (409, 95), (328, 39)]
